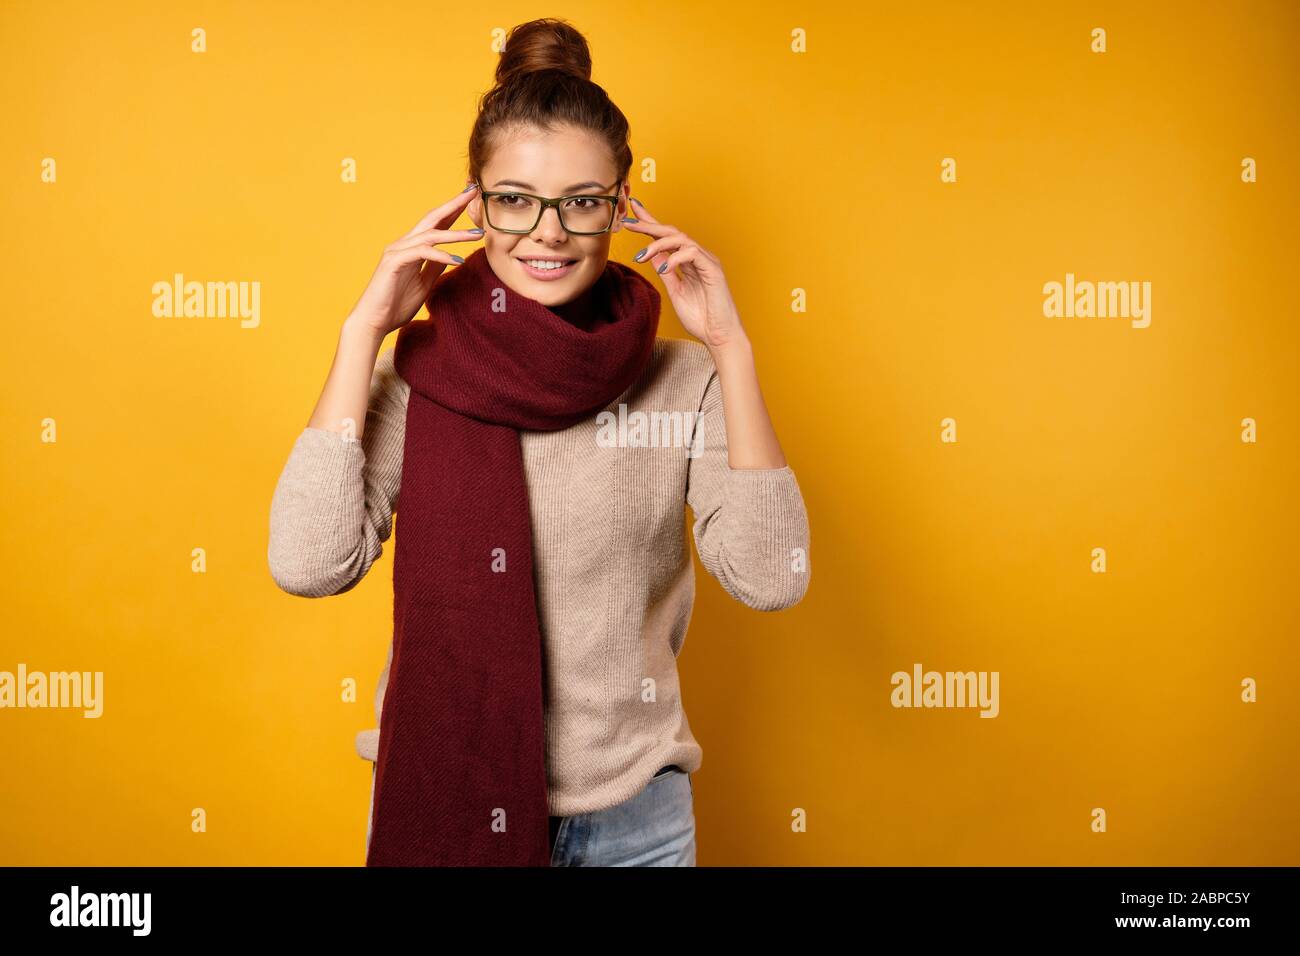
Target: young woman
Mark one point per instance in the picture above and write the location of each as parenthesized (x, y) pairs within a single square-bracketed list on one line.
[(545, 442)]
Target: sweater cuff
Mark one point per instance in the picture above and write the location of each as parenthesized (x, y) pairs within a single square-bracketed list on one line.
[(317, 494), (767, 537)]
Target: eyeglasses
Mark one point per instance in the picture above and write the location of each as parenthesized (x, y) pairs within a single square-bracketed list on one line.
[(521, 212)]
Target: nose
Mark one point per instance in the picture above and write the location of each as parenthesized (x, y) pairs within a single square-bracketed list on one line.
[(549, 228)]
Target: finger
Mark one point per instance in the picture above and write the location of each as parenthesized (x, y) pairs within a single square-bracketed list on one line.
[(429, 272), (649, 228), (424, 251), (641, 211), (444, 215), (660, 247), (645, 223), (438, 235), (683, 256)]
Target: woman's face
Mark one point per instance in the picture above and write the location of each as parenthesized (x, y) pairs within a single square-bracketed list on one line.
[(567, 162)]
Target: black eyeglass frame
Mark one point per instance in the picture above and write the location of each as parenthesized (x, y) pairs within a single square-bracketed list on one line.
[(546, 203)]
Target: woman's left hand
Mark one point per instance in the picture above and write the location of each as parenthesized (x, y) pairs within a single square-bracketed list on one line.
[(699, 294)]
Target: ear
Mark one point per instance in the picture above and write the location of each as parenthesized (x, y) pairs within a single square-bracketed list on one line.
[(475, 212), (620, 211)]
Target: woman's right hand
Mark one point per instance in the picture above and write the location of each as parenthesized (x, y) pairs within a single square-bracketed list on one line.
[(409, 266)]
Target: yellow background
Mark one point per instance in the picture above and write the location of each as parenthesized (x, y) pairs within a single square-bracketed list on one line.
[(817, 171)]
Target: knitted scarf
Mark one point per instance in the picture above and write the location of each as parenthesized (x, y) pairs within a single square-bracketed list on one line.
[(460, 777)]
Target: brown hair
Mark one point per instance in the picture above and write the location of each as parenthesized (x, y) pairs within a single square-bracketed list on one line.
[(543, 80)]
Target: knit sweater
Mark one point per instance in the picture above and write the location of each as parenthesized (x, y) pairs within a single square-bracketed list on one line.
[(615, 585)]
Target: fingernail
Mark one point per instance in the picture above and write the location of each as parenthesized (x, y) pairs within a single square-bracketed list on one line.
[(628, 219), (638, 202), (458, 259), (637, 257), (477, 232), (468, 188), (661, 269)]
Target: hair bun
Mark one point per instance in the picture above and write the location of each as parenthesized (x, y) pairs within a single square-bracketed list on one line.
[(545, 44)]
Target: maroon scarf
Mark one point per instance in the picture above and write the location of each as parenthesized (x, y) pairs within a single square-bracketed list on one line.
[(461, 770)]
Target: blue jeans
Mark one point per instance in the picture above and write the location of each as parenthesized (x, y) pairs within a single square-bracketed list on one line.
[(656, 827)]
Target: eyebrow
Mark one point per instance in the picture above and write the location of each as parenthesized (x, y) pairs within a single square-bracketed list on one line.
[(567, 189)]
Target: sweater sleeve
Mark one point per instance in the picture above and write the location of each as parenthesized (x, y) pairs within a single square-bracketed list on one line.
[(333, 506), (751, 526)]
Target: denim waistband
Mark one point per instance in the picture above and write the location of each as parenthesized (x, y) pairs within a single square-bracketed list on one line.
[(554, 820)]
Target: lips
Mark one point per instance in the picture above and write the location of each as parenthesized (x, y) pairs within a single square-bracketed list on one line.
[(547, 275)]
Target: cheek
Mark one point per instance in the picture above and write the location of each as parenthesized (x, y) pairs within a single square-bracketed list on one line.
[(596, 253), (594, 260)]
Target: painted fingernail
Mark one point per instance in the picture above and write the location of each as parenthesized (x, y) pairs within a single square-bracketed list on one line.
[(468, 188), (457, 259), (477, 232), (637, 257), (661, 269), (638, 202), (628, 219)]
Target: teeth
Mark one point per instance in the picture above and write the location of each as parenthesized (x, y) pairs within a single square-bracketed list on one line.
[(545, 264)]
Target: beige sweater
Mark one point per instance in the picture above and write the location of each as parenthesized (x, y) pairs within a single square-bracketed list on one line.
[(615, 583)]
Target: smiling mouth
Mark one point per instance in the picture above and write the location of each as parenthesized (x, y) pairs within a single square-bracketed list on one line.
[(547, 268)]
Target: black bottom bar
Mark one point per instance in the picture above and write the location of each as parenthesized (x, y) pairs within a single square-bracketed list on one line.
[(303, 905)]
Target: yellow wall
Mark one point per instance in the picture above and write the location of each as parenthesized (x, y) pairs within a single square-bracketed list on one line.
[(817, 171)]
